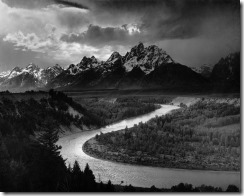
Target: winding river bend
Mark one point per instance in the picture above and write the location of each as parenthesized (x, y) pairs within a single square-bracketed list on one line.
[(142, 176)]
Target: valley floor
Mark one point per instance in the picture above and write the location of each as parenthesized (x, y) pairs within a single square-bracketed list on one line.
[(204, 136)]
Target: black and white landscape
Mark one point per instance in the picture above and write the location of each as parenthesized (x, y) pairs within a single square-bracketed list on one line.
[(120, 96)]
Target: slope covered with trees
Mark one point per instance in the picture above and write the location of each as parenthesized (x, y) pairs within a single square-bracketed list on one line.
[(29, 128), (111, 110), (205, 135)]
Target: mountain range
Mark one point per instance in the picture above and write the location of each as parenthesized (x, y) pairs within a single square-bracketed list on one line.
[(140, 68), (31, 77)]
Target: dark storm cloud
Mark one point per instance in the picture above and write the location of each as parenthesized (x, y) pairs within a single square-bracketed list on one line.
[(193, 31), (71, 4), (30, 4), (96, 35), (191, 18), (167, 19), (143, 6), (72, 20), (170, 19)]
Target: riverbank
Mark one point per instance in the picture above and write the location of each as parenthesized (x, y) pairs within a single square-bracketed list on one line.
[(99, 151)]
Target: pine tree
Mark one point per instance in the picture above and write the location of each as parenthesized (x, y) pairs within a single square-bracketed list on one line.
[(110, 187), (77, 178), (90, 183), (49, 137), (47, 169)]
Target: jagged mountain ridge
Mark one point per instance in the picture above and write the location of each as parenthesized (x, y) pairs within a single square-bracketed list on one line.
[(146, 58), (30, 77), (137, 69), (141, 67)]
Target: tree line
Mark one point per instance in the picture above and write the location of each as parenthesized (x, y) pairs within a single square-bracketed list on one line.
[(125, 107)]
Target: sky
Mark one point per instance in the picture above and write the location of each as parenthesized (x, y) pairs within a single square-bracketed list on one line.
[(47, 32)]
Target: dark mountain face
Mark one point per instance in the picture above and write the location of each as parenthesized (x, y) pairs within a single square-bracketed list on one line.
[(175, 76), (112, 79), (133, 79), (62, 80), (226, 74), (204, 70)]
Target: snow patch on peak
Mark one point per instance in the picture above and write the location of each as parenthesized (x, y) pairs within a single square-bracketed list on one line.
[(146, 58), (32, 66), (4, 74), (15, 72), (73, 69), (85, 64)]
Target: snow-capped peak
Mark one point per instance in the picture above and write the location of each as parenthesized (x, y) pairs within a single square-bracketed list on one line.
[(34, 70), (32, 66), (56, 67), (85, 64), (4, 74), (146, 58), (39, 75), (15, 72), (86, 61)]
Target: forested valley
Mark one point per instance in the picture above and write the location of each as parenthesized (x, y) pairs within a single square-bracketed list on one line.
[(30, 160), (205, 135)]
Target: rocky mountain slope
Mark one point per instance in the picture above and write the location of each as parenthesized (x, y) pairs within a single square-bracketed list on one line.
[(226, 73), (30, 77), (141, 68)]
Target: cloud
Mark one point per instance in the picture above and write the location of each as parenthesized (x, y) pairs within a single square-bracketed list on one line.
[(192, 18), (55, 48), (167, 19), (36, 4), (30, 4), (65, 30), (31, 42), (73, 18), (158, 20), (71, 4), (25, 20), (96, 35), (66, 19)]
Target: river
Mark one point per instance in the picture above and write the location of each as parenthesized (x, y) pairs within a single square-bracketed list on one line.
[(142, 176)]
